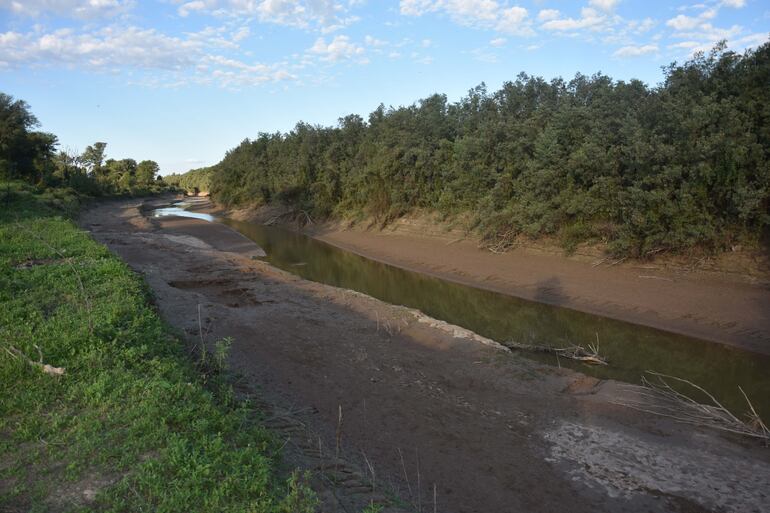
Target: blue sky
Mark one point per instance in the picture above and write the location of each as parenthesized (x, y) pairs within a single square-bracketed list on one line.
[(181, 82)]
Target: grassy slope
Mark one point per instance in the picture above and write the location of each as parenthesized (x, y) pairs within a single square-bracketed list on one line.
[(133, 424)]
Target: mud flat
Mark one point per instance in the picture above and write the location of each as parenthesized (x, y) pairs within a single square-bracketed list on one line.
[(484, 429)]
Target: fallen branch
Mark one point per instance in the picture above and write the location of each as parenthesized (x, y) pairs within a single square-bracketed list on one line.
[(308, 219), (579, 353), (501, 243), (47, 369), (658, 397)]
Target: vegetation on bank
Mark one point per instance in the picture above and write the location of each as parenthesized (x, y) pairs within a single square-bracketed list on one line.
[(195, 180), (644, 169), (131, 424), (32, 156)]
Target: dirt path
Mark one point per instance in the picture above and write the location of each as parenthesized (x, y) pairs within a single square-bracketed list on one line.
[(424, 410), (730, 309)]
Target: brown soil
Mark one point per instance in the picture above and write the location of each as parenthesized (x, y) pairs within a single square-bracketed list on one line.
[(426, 411)]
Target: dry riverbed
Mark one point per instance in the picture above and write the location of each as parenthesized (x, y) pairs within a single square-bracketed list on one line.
[(381, 402)]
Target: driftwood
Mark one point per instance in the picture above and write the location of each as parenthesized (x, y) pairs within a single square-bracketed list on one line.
[(658, 397), (47, 369), (590, 355)]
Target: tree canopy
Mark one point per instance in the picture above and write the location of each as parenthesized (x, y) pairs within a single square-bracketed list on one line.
[(644, 169), (32, 156)]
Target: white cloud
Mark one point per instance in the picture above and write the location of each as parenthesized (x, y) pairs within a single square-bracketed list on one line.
[(498, 42), (241, 34), (548, 14), (483, 14), (709, 32), (514, 21), (735, 44), (682, 22), (324, 15), (82, 9), (339, 48), (164, 59), (105, 48), (416, 7), (635, 51), (372, 41), (699, 34), (641, 26), (185, 9), (589, 18), (605, 5)]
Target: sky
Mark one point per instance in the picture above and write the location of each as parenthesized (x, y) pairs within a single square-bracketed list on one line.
[(181, 82)]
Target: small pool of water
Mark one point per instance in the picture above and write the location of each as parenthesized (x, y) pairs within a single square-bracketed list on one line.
[(632, 349), (179, 210)]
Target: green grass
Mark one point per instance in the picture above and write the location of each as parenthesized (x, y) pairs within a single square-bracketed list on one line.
[(133, 424)]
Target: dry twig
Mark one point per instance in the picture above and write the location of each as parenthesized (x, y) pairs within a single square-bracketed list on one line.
[(658, 397)]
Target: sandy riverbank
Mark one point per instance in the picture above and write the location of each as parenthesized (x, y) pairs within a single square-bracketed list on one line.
[(729, 308)]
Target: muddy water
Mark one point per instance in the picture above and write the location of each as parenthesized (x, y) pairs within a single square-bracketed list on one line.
[(631, 349)]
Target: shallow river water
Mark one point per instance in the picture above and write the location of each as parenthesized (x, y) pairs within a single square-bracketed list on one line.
[(631, 349)]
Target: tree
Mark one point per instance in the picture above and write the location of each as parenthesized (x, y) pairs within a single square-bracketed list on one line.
[(644, 169), (23, 153), (93, 158), (146, 171)]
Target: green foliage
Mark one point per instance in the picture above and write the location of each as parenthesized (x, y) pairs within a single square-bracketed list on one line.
[(195, 180), (32, 156), (23, 153), (644, 169), (300, 497), (132, 418)]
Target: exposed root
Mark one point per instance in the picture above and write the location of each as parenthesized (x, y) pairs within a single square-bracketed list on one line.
[(658, 397), (47, 369)]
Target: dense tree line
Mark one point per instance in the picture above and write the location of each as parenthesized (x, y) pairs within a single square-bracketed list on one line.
[(644, 169), (32, 156), (195, 180)]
